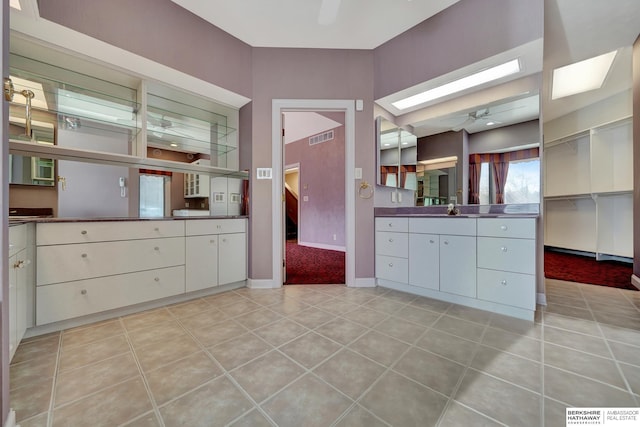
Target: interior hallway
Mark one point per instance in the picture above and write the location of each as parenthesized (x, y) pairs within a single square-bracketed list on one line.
[(331, 355)]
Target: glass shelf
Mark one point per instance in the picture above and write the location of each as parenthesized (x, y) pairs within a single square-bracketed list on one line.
[(181, 127), (72, 109)]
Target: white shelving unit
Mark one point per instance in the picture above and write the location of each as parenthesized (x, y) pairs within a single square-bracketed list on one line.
[(588, 179)]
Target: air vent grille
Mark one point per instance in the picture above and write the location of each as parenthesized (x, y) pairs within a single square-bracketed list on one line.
[(323, 137)]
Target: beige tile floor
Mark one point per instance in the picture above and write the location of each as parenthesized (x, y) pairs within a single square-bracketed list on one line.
[(331, 355)]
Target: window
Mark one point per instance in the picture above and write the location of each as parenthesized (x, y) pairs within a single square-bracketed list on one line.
[(522, 186), (523, 182), (485, 195)]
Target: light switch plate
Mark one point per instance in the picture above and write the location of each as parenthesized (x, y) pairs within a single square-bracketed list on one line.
[(264, 173), (358, 173)]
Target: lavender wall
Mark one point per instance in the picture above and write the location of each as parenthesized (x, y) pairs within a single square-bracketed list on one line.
[(505, 138), (322, 175), (310, 74), (162, 31), (465, 33)]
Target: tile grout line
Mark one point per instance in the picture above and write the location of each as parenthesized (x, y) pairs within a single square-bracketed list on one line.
[(55, 380), (613, 356), (145, 382), (463, 375)]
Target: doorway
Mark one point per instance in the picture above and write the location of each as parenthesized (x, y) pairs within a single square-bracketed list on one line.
[(314, 195), (347, 108)]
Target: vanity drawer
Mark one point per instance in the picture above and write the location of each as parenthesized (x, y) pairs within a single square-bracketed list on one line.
[(64, 263), (200, 227), (393, 244), (522, 228), (104, 231), (73, 299), (517, 255), (518, 290), (392, 224), (456, 226), (392, 268)]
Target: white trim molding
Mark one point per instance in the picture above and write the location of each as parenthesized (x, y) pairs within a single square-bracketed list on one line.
[(322, 246), (348, 107), (11, 419), (262, 284), (541, 298), (365, 282), (635, 281)]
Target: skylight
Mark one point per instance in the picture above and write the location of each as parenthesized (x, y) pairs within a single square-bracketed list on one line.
[(477, 79), (581, 76)]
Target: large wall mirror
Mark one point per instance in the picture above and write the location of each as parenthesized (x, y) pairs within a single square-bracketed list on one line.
[(396, 156)]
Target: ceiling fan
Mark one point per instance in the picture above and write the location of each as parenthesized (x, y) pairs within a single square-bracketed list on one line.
[(473, 117), (328, 12)]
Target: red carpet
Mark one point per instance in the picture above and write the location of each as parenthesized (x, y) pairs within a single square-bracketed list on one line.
[(310, 266), (584, 269)]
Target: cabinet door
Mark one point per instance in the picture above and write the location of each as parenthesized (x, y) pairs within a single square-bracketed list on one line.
[(13, 300), (232, 258), (21, 282), (424, 260), (458, 265), (201, 262)]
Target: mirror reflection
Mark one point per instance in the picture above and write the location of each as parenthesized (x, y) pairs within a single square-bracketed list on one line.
[(396, 156)]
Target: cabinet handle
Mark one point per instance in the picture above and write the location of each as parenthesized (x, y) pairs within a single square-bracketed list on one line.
[(20, 264), (83, 292), (212, 241), (83, 255), (83, 232), (503, 249), (503, 227), (224, 240), (390, 264), (156, 229), (503, 283), (157, 248), (157, 279), (446, 242), (390, 240), (390, 224), (432, 241)]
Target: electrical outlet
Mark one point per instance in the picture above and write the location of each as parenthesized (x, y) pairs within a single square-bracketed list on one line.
[(393, 197), (186, 204), (202, 205), (335, 237)]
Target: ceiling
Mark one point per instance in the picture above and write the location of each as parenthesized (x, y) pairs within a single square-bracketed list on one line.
[(574, 30), (359, 24)]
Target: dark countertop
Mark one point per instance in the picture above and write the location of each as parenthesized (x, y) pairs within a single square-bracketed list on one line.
[(531, 210), (23, 220)]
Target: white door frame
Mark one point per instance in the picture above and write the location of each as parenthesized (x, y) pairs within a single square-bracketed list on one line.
[(277, 151)]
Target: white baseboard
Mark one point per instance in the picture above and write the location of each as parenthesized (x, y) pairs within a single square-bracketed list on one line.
[(364, 282), (323, 246), (11, 419), (541, 299), (262, 284)]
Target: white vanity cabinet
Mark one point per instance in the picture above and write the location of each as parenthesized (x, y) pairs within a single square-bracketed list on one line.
[(507, 261), (90, 267), (392, 249), (486, 263), (20, 264), (216, 252), (444, 258)]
